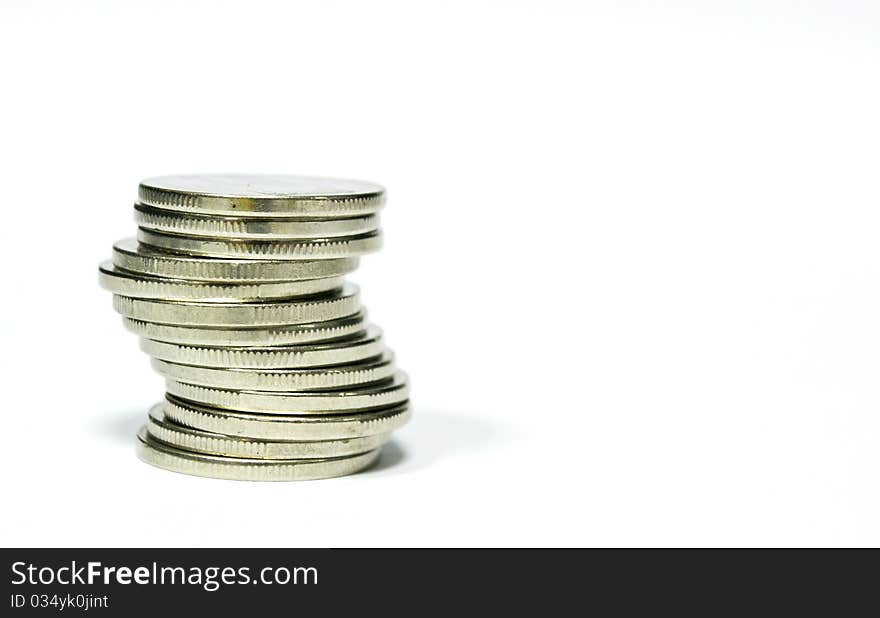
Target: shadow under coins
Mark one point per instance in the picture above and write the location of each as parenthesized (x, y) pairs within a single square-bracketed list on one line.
[(431, 436)]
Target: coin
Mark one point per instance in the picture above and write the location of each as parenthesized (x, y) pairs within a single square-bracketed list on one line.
[(187, 438), (133, 257), (171, 222), (389, 392), (286, 426), (349, 350), (129, 255), (330, 306), (338, 376), (314, 249), (294, 334), (144, 286), (234, 284), (170, 458), (249, 194)]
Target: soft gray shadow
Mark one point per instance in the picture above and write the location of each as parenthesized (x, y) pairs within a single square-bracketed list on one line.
[(392, 454), (430, 437), (121, 427), (433, 435)]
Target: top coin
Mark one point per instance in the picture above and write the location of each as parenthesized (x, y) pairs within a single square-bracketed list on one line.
[(262, 195)]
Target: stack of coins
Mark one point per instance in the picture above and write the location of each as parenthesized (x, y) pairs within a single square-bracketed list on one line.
[(236, 286)]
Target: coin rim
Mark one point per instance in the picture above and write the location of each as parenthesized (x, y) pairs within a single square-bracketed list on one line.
[(201, 225), (209, 443), (325, 307), (306, 379), (294, 250), (173, 459), (205, 268), (361, 397), (325, 353), (141, 286), (320, 332), (288, 426)]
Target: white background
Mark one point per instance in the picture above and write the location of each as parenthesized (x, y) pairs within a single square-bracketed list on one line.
[(631, 263)]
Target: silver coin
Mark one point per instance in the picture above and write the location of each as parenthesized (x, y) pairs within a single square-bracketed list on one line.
[(135, 285), (321, 378), (251, 194), (172, 222), (341, 351), (314, 249), (170, 458), (285, 426), (383, 394), (189, 439), (234, 284), (129, 255), (266, 336), (330, 306)]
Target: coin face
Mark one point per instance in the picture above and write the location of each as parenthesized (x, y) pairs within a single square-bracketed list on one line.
[(256, 195), (264, 186)]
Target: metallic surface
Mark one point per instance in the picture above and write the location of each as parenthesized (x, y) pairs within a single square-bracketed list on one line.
[(287, 427), (338, 376), (349, 350), (235, 286), (329, 306), (136, 285), (170, 458), (171, 222), (389, 392), (315, 249), (129, 255), (293, 334), (182, 437), (258, 195)]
